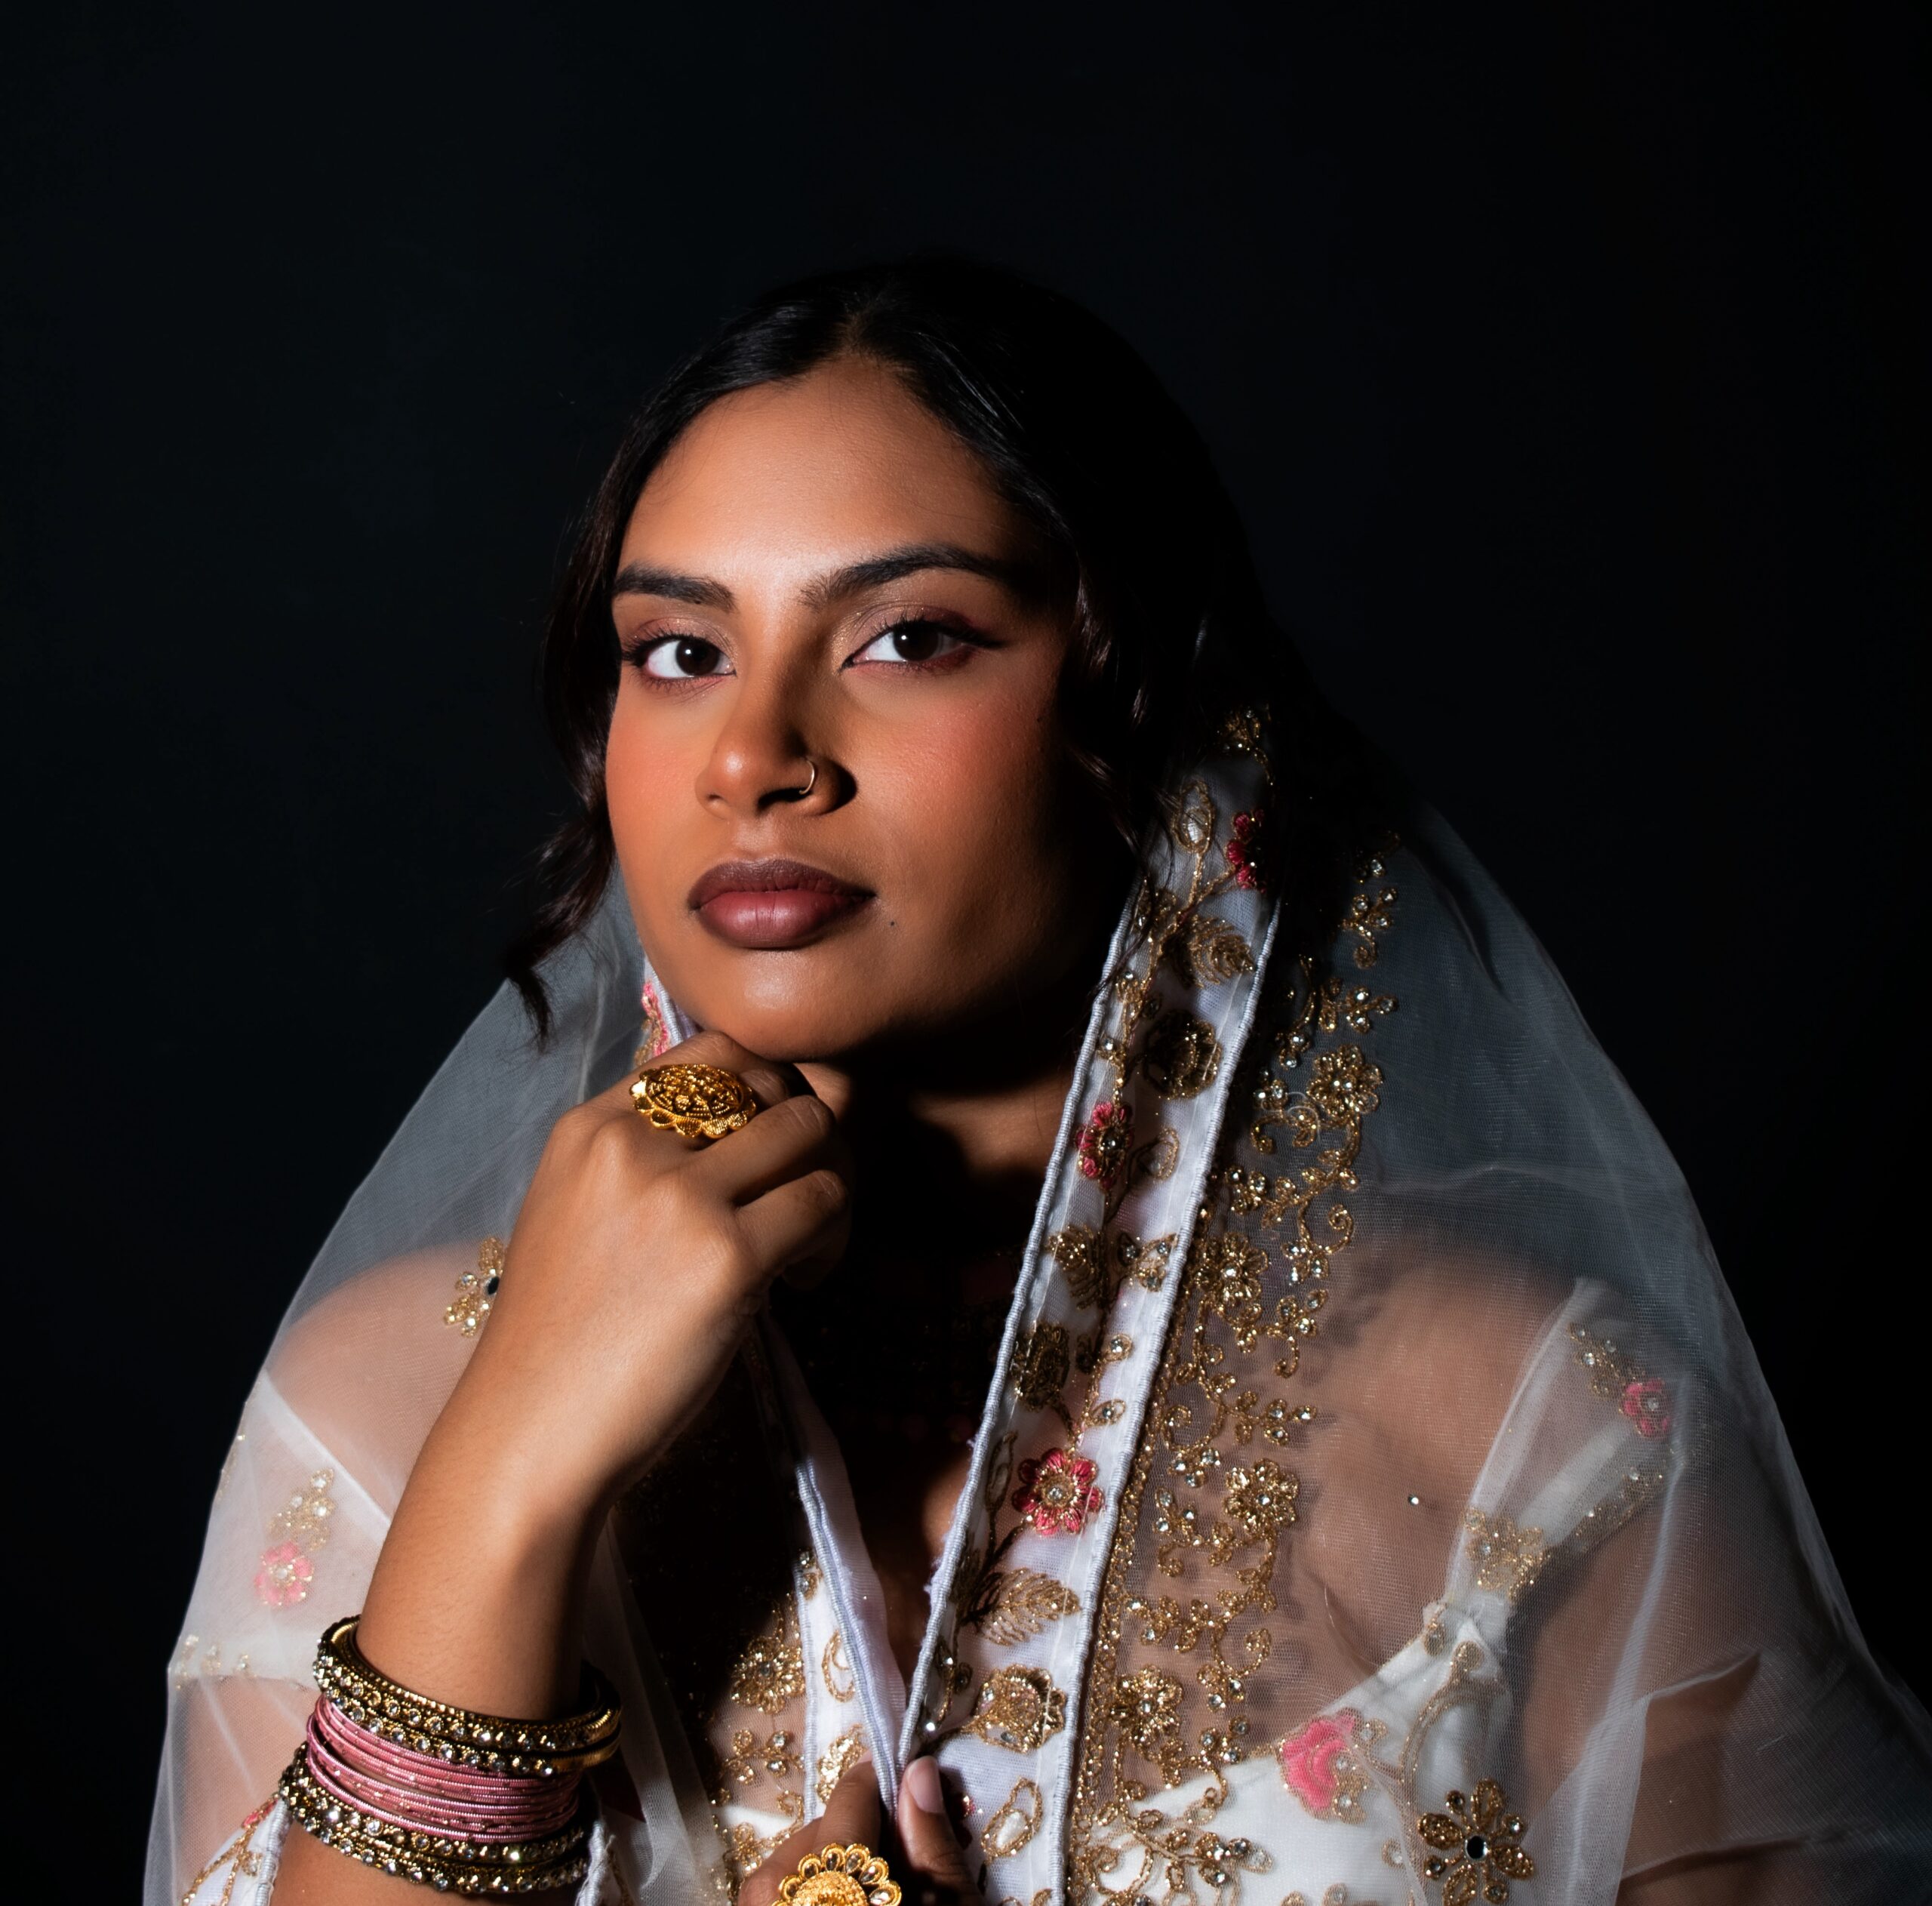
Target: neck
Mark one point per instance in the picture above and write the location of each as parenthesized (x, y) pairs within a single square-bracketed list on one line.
[(964, 1126)]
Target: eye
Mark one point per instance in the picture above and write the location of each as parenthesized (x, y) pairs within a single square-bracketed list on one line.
[(680, 658), (912, 643)]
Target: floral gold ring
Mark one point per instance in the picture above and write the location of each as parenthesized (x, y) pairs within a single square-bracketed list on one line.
[(840, 1876), (694, 1101)]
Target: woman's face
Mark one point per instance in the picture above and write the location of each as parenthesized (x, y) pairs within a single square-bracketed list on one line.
[(838, 784)]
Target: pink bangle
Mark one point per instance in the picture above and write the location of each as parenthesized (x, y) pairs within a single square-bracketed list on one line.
[(422, 1793)]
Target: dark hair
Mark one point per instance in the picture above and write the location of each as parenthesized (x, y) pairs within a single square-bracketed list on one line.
[(1078, 434)]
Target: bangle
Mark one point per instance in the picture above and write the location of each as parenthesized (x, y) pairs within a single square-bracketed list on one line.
[(447, 1862), (460, 1734)]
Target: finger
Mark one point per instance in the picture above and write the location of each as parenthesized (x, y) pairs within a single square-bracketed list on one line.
[(797, 1219), (783, 1143), (851, 1814), (771, 1080), (937, 1874)]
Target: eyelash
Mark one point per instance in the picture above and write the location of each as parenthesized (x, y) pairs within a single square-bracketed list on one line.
[(638, 651)]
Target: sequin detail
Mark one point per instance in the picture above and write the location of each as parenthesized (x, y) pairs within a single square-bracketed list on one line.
[(296, 1531), (1477, 1850)]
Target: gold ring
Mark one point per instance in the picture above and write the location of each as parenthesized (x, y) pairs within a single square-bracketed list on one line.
[(840, 1876), (694, 1101)]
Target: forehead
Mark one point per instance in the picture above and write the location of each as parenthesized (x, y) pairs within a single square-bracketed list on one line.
[(842, 461)]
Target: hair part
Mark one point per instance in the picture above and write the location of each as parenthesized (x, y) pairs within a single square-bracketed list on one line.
[(1169, 629)]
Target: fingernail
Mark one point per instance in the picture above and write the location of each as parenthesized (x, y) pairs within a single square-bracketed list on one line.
[(922, 1785)]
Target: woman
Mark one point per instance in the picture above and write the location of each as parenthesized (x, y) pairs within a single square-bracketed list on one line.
[(1141, 1353)]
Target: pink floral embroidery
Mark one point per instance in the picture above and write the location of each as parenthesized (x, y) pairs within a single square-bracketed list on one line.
[(1320, 1767), (1057, 1493), (1244, 850), (657, 1033), (1647, 1405), (285, 1575), (1104, 1142)]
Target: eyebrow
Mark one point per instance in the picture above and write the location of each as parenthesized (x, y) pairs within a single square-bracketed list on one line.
[(1024, 578)]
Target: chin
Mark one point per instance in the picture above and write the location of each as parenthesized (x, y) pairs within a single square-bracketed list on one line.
[(799, 1017)]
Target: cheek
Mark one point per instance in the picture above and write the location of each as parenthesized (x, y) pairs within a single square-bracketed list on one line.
[(640, 783), (986, 809)]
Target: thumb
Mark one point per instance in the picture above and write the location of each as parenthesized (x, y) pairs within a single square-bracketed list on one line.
[(932, 1850), (851, 1814)]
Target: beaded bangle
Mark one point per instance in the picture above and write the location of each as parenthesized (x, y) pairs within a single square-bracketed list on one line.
[(460, 1734), (447, 1864)]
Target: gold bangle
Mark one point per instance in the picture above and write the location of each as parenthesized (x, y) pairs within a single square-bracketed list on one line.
[(702, 1102), (447, 1864), (840, 1876), (460, 1734)]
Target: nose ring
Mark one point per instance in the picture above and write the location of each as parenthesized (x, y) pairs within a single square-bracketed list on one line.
[(799, 794)]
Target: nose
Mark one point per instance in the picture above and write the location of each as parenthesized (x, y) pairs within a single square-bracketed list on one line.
[(761, 757)]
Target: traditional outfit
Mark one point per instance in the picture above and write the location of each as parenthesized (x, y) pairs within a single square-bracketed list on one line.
[(1376, 1498)]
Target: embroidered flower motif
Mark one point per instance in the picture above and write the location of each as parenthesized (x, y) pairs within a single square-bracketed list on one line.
[(1321, 1768), (1104, 1143), (1508, 1560), (1018, 1708), (655, 1040), (1244, 850), (1343, 1088), (1258, 1503), (770, 1673), (1647, 1404), (1181, 1056), (1149, 1709), (295, 1531), (1478, 1851), (1057, 1493), (285, 1575), (1041, 1364)]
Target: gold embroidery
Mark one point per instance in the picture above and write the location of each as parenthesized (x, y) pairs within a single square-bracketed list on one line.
[(1014, 1821), (746, 1849), (1214, 1506), (771, 1671), (1020, 1602), (837, 1760), (836, 1671), (1641, 1399), (1018, 1708), (1041, 1364), (1181, 1058), (1508, 1559), (1476, 1846), (476, 1290), (240, 1856), (1207, 951), (747, 1754), (297, 1532)]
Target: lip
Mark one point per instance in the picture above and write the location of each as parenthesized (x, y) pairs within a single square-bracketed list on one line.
[(770, 906)]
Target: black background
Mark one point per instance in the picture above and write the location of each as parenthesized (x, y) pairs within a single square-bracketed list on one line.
[(1561, 362)]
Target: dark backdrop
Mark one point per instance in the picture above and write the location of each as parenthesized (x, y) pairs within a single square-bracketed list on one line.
[(1560, 362)]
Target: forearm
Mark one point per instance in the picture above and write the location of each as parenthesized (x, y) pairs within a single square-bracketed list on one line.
[(476, 1600)]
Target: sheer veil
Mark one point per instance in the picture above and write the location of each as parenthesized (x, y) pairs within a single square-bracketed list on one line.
[(1438, 1510)]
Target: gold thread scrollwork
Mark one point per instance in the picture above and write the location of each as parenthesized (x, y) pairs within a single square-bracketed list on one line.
[(1014, 1821)]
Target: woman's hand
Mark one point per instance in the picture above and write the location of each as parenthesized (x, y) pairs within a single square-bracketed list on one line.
[(639, 1262)]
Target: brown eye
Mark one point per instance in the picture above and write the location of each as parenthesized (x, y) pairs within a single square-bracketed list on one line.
[(683, 658), (910, 642)]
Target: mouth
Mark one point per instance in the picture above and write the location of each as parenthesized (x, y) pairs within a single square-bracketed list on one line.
[(772, 906)]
